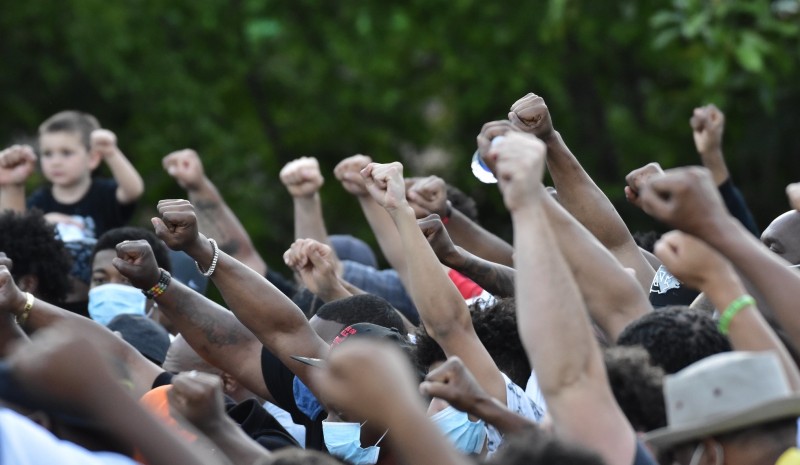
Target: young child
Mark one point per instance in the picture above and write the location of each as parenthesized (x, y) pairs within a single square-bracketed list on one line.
[(71, 146)]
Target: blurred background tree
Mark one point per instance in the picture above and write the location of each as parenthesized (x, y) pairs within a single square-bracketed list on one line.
[(252, 84)]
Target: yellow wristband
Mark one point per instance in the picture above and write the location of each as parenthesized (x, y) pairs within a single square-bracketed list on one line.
[(26, 310)]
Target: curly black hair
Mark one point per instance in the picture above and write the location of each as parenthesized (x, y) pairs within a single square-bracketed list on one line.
[(534, 447), (675, 337), (496, 327), (362, 308), (637, 386), (31, 243), (112, 237), (462, 202)]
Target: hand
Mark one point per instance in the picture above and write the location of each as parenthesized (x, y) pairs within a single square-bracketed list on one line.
[(489, 131), (708, 124), (186, 167), (315, 262), (520, 167), (12, 299), (177, 226), (793, 192), (348, 172), (16, 165), (436, 234), (302, 177), (385, 184), (692, 261), (530, 114), (637, 178), (198, 398), (135, 260), (685, 198), (103, 142), (389, 388), (454, 383), (428, 196)]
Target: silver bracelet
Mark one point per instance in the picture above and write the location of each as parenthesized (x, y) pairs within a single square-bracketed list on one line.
[(213, 266)]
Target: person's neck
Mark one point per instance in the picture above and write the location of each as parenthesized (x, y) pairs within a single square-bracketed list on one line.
[(73, 193)]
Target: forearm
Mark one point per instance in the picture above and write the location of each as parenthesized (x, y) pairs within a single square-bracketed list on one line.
[(748, 330), (386, 234), (613, 297), (131, 185), (493, 277), (308, 220), (336, 292), (217, 220), (581, 197), (498, 415), (10, 334), (714, 160), (235, 444), (12, 198), (216, 335), (478, 241)]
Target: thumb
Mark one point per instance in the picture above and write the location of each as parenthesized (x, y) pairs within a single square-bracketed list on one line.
[(316, 259), (437, 389), (159, 227), (127, 269)]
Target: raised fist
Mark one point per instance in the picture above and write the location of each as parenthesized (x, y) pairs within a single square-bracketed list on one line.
[(185, 166), (530, 114), (708, 124), (691, 260), (520, 162), (428, 196), (684, 198), (385, 184), (489, 131), (793, 192), (16, 165), (302, 177), (103, 142), (637, 179), (434, 231), (177, 226), (315, 262), (135, 260), (198, 398), (453, 382), (348, 172)]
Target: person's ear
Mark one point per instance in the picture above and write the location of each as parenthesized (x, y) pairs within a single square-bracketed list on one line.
[(94, 159), (229, 384), (28, 283), (714, 455)]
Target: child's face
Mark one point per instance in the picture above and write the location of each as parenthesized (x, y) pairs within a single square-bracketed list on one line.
[(65, 160)]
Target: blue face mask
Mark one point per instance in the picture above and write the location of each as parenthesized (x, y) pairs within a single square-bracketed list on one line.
[(109, 300), (467, 436), (305, 400), (343, 440)]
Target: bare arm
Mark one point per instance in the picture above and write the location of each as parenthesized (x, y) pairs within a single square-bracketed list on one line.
[(569, 367), (216, 219), (478, 241), (303, 180), (130, 185)]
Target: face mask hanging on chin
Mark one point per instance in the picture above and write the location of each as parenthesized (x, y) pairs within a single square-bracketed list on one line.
[(109, 300), (343, 440), (468, 436)]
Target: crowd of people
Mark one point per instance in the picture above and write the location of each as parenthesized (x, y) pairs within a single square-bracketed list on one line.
[(579, 343)]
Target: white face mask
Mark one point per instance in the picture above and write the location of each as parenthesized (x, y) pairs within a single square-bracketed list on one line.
[(109, 300), (343, 440), (468, 436)]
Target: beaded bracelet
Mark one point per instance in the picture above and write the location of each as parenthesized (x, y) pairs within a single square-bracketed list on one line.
[(213, 266), (160, 287), (739, 304), (26, 310)]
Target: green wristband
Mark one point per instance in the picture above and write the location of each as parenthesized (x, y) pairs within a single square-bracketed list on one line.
[(733, 309)]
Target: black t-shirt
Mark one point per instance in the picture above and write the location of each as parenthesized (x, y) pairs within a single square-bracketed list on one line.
[(280, 382), (99, 208)]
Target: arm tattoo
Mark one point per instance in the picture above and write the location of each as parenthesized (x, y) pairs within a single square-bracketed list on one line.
[(495, 278), (209, 324)]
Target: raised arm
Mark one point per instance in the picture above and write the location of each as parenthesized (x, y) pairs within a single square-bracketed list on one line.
[(10, 332), (17, 163), (303, 179), (216, 219), (569, 367), (264, 310), (212, 331), (577, 192), (686, 198), (441, 307), (316, 264), (130, 185), (698, 265)]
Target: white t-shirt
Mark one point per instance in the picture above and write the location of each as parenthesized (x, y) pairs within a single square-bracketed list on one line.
[(519, 403), (23, 442)]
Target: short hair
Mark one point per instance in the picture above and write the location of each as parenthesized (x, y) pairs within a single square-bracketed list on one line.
[(646, 240), (112, 237), (363, 308), (462, 202), (533, 447), (675, 337), (31, 243), (638, 387), (496, 327), (71, 121)]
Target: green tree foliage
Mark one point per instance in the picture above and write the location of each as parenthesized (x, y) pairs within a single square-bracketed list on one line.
[(252, 84)]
